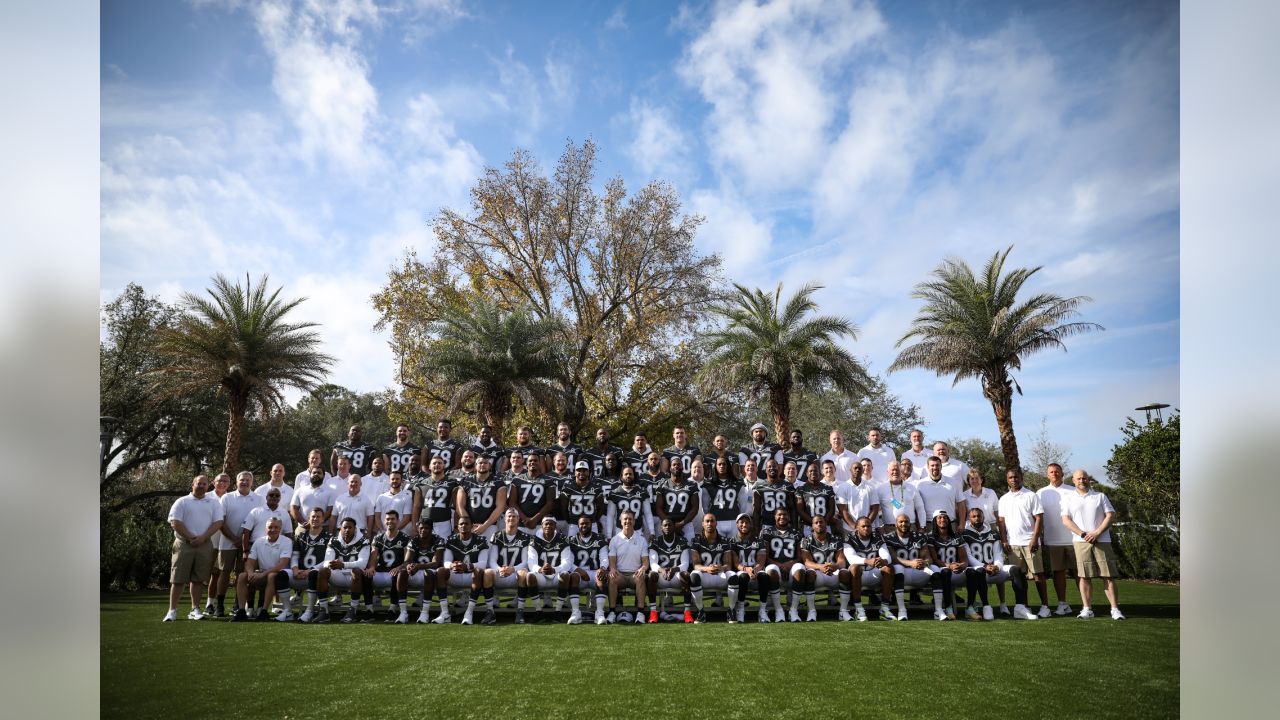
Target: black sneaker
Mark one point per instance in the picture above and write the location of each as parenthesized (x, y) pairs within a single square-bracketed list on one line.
[(519, 616), (351, 617), (490, 618), (700, 617), (239, 616)]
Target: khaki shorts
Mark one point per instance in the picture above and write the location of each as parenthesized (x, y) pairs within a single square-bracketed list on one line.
[(228, 560), (1059, 557), (1096, 560), (190, 563), (1032, 563)]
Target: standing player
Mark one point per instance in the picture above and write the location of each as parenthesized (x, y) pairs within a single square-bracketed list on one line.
[(1021, 524), (444, 446), (532, 497), (677, 500), (713, 566), (466, 556), (590, 558), (598, 452), (534, 457), (1059, 554), (824, 566), (759, 449), (815, 499), (681, 451), (396, 456), (507, 559), (638, 456), (722, 495), (355, 449), (720, 449), (910, 553), (386, 563), (425, 570), (344, 564), (880, 456), (626, 496), (573, 452), (466, 467), (1088, 515), (581, 498), (434, 499), (482, 498), (669, 567), (871, 566), (781, 544), (770, 496), (550, 563), (800, 455), (986, 553)]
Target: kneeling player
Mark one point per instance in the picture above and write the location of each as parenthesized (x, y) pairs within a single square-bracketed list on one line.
[(986, 553), (871, 567), (425, 571), (781, 544), (669, 567), (590, 556), (551, 562), (507, 565), (466, 555), (714, 564), (386, 564), (344, 564), (824, 566)]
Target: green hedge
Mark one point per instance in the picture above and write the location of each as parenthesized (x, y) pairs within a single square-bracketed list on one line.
[(1146, 552)]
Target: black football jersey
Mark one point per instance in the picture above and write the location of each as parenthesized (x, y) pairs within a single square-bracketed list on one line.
[(361, 456), (772, 496), (308, 549), (780, 545), (760, 453), (573, 452), (746, 549), (530, 495), (678, 499), (865, 548), (911, 547), (724, 497), (669, 552), (983, 545), (531, 453), (818, 500), (437, 499), (708, 552), (624, 498), (709, 463), (802, 458), (467, 551), (684, 456), (481, 497), (549, 551), (823, 551), (596, 457), (423, 548), (390, 551), (587, 551), (493, 451), (399, 456), (414, 482), (509, 551), (581, 501), (946, 551), (347, 552), (450, 451), (637, 460)]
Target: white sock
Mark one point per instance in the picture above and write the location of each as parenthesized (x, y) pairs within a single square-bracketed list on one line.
[(697, 597)]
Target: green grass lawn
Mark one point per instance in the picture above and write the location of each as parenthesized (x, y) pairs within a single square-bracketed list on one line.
[(1060, 667)]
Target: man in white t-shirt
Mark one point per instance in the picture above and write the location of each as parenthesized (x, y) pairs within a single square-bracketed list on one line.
[(310, 496), (880, 456), (314, 461), (628, 566), (919, 456), (1088, 515), (353, 505), (1021, 527), (228, 551), (195, 518), (1059, 555), (843, 457), (266, 567), (956, 471), (276, 481), (255, 524), (398, 499)]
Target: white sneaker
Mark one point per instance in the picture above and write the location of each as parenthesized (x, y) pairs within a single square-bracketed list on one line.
[(764, 616), (1020, 612), (600, 620), (640, 619), (466, 617), (170, 616), (1044, 611), (812, 615), (1086, 614), (195, 614), (886, 613), (779, 616), (844, 616), (612, 618), (987, 614), (1004, 609), (1116, 614), (902, 616), (860, 613), (1063, 609), (940, 615), (403, 619), (284, 617), (575, 618), (424, 617), (793, 616), (444, 618), (305, 617)]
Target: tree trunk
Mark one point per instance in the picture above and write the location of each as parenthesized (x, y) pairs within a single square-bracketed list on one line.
[(495, 415), (1001, 396), (780, 408), (235, 424)]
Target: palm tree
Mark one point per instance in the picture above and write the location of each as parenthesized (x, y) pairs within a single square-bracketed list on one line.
[(973, 327), (237, 341), (774, 349), (494, 356)]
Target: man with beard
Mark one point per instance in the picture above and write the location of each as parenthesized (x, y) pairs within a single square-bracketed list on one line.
[(759, 449), (535, 458), (781, 544), (396, 456), (532, 498), (713, 567), (638, 456), (681, 451), (599, 451), (986, 553), (669, 567), (722, 495), (910, 554), (425, 570), (307, 498), (590, 559), (564, 444), (356, 450), (824, 566), (800, 455), (677, 501), (434, 499), (871, 566), (482, 498), (770, 496), (445, 447)]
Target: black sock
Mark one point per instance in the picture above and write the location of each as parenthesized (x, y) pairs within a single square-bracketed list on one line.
[(367, 591), (312, 578), (395, 597)]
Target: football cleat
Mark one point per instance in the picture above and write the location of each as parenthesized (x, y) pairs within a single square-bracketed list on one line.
[(940, 615), (195, 614), (813, 616), (305, 617), (519, 616), (1116, 614), (1086, 614), (639, 617), (613, 617), (284, 617), (860, 614), (987, 614), (1044, 611), (700, 618), (886, 613), (424, 617), (262, 615), (653, 616), (322, 615), (490, 617), (403, 618), (793, 616), (971, 613), (575, 618), (1063, 609), (844, 616), (219, 612), (902, 616), (1020, 612), (600, 619), (351, 617), (764, 616), (1004, 609), (444, 618), (170, 616), (688, 616), (778, 615)]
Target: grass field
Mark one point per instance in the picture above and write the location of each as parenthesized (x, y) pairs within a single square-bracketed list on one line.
[(1060, 667)]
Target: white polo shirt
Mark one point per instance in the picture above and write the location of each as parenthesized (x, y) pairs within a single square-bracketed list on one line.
[(844, 462), (308, 498), (957, 471), (986, 500), (1088, 511), (357, 508), (256, 522), (1051, 499), (630, 552), (197, 514), (235, 509), (940, 495), (401, 502), (902, 499), (286, 492), (303, 479), (919, 462), (1019, 511), (858, 497), (880, 459), (267, 554)]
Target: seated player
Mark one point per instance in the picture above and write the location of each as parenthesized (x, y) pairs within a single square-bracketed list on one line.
[(507, 565), (677, 499), (910, 553), (309, 548), (824, 566), (550, 564), (986, 553), (871, 567), (947, 555), (590, 557), (751, 563), (466, 555), (425, 570), (713, 566), (669, 567), (781, 544), (628, 567), (265, 567), (343, 569), (386, 564)]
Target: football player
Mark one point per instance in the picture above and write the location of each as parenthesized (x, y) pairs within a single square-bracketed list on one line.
[(466, 467), (344, 564), (483, 498), (627, 495), (425, 570), (824, 566), (564, 443), (720, 449), (355, 449), (759, 449), (871, 566), (581, 498), (434, 499), (532, 497), (309, 548), (781, 544), (386, 563), (443, 447), (396, 456), (713, 566), (800, 455), (590, 557), (534, 457), (986, 553), (910, 553), (722, 495), (550, 564), (677, 500), (466, 555), (508, 548), (681, 451), (751, 563), (948, 555), (638, 456), (487, 446), (815, 499), (669, 567), (599, 451), (771, 495)]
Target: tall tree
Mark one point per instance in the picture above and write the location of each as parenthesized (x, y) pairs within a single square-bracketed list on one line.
[(1145, 470), (495, 357), (238, 342), (775, 349), (619, 272), (974, 327)]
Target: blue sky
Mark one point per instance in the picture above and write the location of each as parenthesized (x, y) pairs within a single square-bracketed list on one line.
[(852, 144)]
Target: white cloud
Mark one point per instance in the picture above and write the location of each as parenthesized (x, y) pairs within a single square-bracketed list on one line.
[(533, 100), (741, 239), (659, 147), (617, 20)]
